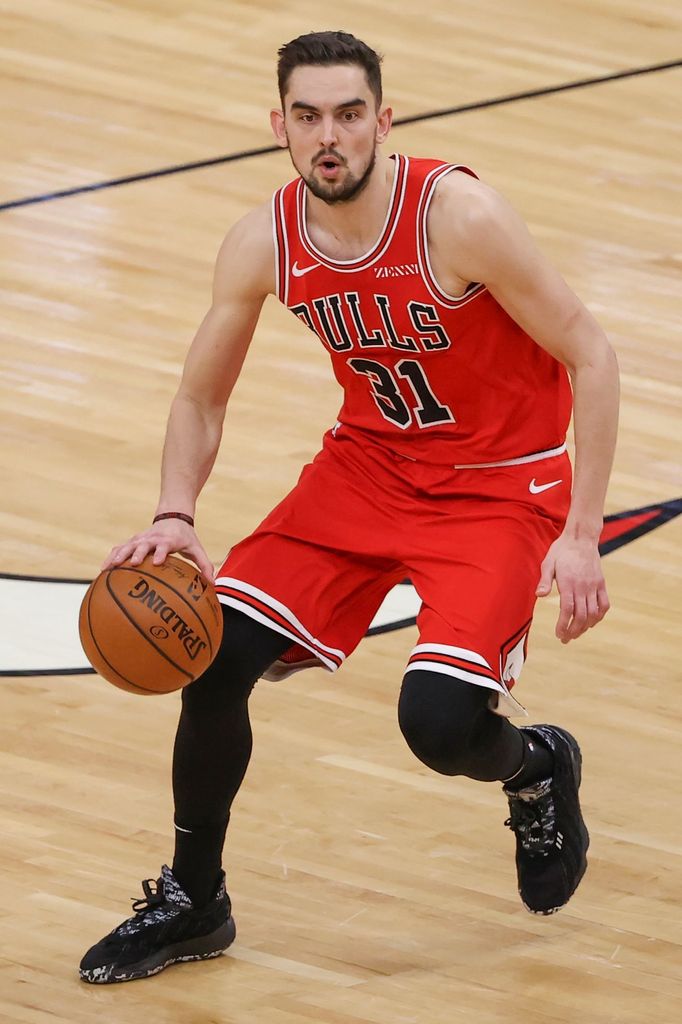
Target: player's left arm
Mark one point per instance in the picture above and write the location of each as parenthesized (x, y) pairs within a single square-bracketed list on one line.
[(494, 246)]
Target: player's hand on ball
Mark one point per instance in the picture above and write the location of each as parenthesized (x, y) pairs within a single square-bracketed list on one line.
[(583, 600), (150, 628), (162, 539)]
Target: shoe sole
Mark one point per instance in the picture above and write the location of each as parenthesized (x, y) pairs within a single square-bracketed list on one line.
[(206, 947), (576, 767)]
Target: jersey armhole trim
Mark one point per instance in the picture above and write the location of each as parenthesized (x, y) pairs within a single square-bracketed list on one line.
[(279, 235), (439, 294)]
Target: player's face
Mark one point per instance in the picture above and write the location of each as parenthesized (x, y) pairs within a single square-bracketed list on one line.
[(331, 127)]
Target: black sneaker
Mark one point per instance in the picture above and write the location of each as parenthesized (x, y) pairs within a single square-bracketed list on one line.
[(166, 928), (551, 838)]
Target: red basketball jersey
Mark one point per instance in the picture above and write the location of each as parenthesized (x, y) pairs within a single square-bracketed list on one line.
[(436, 377)]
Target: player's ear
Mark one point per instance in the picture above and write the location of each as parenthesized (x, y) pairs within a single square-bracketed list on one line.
[(278, 129), (384, 122)]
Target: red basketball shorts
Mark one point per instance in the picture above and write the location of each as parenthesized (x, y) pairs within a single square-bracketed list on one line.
[(361, 518)]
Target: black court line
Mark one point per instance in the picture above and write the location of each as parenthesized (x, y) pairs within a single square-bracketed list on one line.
[(29, 673), (41, 579), (497, 101)]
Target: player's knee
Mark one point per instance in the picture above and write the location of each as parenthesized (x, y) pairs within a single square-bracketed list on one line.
[(246, 650), (440, 718)]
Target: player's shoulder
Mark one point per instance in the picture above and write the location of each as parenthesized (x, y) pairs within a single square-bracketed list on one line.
[(252, 231), (460, 189), (465, 206), (247, 251)]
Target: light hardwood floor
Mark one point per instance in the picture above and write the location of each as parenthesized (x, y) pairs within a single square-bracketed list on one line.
[(366, 888)]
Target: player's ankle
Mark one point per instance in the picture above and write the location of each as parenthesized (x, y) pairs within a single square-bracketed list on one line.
[(201, 888), (197, 859), (537, 763)]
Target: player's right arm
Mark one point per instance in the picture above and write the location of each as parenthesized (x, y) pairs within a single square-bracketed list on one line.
[(244, 276)]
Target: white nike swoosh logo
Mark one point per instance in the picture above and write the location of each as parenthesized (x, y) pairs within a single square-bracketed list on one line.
[(300, 271), (539, 488)]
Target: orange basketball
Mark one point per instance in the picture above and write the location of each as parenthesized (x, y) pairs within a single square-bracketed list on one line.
[(150, 628)]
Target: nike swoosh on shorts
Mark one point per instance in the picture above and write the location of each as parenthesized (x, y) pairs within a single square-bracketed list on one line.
[(300, 271), (539, 488)]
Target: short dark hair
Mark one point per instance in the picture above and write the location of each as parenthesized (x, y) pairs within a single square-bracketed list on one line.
[(328, 48)]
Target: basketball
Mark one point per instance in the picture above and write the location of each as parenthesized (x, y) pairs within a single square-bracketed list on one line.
[(150, 628)]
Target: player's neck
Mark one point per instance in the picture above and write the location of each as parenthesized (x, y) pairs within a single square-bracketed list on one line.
[(348, 230)]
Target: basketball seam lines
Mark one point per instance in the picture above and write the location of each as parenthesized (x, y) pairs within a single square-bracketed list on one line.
[(142, 633), (184, 600)]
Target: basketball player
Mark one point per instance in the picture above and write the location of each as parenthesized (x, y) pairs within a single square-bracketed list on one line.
[(454, 341)]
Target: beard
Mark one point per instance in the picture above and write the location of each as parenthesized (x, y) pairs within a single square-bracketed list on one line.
[(331, 192)]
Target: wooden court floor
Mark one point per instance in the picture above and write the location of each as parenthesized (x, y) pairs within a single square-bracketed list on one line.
[(365, 888)]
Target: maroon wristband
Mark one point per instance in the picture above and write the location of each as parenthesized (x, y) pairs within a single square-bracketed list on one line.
[(174, 515)]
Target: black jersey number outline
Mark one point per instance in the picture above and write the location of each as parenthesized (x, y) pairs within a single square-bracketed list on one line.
[(389, 399)]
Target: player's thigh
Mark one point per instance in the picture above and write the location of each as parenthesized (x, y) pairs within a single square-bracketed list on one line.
[(320, 598), (478, 593)]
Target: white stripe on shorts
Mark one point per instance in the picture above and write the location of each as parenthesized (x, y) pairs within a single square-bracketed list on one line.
[(550, 453), (456, 652), (301, 636), (505, 705)]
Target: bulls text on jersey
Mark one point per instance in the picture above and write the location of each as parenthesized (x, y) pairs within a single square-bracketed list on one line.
[(341, 323)]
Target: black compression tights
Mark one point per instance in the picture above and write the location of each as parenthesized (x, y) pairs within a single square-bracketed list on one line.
[(213, 742), (446, 723), (213, 748)]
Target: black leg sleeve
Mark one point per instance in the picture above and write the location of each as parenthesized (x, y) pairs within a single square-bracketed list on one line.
[(447, 724), (213, 747)]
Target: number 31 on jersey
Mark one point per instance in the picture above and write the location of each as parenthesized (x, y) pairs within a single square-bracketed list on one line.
[(387, 394)]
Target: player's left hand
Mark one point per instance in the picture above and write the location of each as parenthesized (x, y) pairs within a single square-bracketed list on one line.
[(576, 567)]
